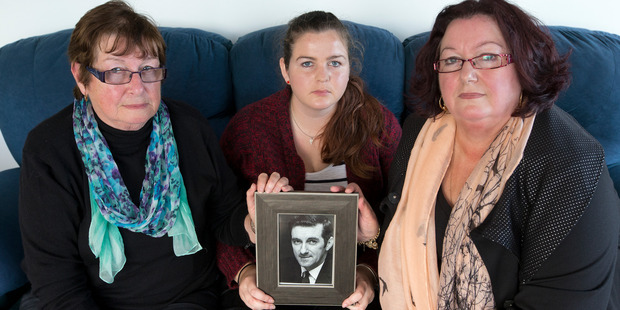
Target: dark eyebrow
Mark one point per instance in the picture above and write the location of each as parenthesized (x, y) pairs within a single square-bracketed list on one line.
[(306, 57), (329, 58), (336, 56)]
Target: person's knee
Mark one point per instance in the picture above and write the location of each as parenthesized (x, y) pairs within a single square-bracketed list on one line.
[(29, 301)]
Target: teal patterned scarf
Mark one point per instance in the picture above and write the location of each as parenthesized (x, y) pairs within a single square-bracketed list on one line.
[(163, 200)]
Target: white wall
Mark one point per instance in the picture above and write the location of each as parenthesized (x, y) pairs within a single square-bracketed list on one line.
[(6, 160), (234, 18)]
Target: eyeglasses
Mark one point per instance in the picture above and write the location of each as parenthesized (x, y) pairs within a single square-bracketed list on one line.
[(120, 76), (485, 61)]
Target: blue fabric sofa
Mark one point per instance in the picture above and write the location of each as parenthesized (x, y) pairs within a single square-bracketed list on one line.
[(204, 69), (219, 77)]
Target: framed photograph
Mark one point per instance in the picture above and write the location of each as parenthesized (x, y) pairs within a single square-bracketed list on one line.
[(306, 247)]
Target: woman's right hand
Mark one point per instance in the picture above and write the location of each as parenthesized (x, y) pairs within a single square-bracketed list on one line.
[(273, 183), (252, 296)]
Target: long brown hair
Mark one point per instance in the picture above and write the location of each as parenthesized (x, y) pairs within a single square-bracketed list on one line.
[(358, 119), (113, 18)]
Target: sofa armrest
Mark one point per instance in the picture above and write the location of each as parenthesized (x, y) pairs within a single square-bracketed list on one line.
[(11, 252)]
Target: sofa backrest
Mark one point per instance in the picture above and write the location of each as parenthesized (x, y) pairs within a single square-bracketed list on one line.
[(256, 73), (593, 97), (35, 83), (198, 73)]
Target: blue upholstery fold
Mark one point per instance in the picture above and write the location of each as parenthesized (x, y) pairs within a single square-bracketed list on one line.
[(198, 73)]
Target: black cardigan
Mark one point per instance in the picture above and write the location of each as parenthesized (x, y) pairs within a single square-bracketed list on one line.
[(55, 217), (551, 241)]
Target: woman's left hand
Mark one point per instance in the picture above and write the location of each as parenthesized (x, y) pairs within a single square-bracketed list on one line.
[(364, 292), (367, 224), (273, 183)]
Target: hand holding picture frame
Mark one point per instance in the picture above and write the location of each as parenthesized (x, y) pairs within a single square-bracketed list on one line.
[(306, 246)]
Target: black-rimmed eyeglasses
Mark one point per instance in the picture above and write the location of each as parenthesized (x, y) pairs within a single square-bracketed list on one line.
[(120, 76), (485, 61)]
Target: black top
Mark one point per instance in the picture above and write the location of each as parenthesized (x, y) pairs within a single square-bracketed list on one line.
[(290, 271), (55, 217), (129, 149), (442, 215), (552, 239)]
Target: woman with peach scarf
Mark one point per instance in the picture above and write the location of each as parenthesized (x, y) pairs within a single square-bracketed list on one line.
[(499, 199)]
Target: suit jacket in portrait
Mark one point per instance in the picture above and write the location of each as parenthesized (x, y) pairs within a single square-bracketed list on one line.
[(290, 271)]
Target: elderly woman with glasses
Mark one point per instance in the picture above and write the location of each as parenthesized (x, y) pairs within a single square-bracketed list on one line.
[(499, 199), (123, 195)]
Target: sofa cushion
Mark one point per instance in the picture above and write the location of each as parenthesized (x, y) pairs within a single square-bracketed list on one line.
[(256, 71), (35, 83), (198, 73), (593, 97), (36, 79), (11, 253)]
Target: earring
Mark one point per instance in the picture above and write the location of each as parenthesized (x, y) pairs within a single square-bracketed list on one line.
[(86, 98), (288, 82), (442, 105), (521, 101)]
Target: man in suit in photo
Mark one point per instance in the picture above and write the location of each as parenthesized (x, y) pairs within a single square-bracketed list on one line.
[(312, 238)]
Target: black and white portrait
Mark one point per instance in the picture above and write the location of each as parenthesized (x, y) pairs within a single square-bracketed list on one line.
[(306, 249)]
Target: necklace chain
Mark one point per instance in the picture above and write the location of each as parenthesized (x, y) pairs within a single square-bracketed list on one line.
[(302, 131)]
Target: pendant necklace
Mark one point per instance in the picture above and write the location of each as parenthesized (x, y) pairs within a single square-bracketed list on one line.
[(302, 131)]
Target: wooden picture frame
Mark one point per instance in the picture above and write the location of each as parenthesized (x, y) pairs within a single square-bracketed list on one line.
[(279, 256)]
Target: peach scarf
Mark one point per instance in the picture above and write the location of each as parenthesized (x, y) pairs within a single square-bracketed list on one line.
[(408, 261)]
